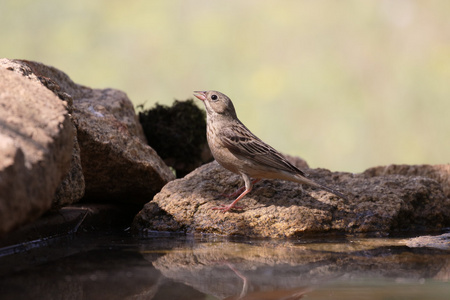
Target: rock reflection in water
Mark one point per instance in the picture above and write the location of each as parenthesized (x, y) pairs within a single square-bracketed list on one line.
[(180, 267), (274, 270)]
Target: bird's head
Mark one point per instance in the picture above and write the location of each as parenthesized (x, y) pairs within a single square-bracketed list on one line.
[(216, 103)]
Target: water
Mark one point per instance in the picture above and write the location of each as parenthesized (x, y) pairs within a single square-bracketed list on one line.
[(121, 266)]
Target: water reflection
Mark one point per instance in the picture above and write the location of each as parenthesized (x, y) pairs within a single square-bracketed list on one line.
[(125, 267), (276, 270)]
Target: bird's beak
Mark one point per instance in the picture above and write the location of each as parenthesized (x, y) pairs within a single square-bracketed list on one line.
[(200, 95)]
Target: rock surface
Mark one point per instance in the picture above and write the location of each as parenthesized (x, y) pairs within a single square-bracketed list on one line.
[(277, 209), (440, 173), (36, 141), (72, 187), (439, 241), (113, 162), (118, 165)]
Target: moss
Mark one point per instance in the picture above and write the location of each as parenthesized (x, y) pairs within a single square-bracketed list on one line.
[(177, 133)]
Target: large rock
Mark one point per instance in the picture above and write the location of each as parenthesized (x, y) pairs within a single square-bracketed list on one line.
[(71, 189), (36, 141), (440, 173), (113, 162), (118, 165), (377, 204)]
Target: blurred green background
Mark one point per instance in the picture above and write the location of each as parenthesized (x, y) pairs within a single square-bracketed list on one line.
[(346, 85)]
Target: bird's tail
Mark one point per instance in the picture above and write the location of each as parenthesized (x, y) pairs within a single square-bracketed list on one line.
[(330, 190), (325, 188)]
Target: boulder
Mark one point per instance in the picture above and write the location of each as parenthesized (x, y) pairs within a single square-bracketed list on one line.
[(277, 209), (111, 160), (440, 173), (71, 189), (36, 142), (118, 164)]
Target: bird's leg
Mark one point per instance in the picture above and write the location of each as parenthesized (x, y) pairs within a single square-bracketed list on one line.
[(248, 189), (225, 208), (241, 189)]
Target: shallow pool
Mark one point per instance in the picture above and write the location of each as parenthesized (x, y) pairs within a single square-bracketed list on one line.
[(119, 265)]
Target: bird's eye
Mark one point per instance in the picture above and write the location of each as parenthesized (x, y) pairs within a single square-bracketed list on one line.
[(214, 97)]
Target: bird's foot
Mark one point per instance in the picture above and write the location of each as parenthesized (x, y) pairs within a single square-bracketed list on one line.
[(225, 208)]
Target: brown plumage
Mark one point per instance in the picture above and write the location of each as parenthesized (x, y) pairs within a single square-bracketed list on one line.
[(237, 149)]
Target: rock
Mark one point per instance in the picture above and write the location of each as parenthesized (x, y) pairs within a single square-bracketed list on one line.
[(53, 79), (71, 189), (277, 209), (36, 140), (440, 241), (118, 165), (113, 162), (440, 173)]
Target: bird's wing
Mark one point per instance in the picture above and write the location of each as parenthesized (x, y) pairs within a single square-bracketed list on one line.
[(241, 141)]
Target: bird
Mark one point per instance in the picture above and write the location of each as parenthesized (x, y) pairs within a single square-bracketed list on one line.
[(238, 150)]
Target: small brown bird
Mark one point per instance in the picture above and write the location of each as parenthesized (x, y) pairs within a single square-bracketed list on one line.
[(242, 152)]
